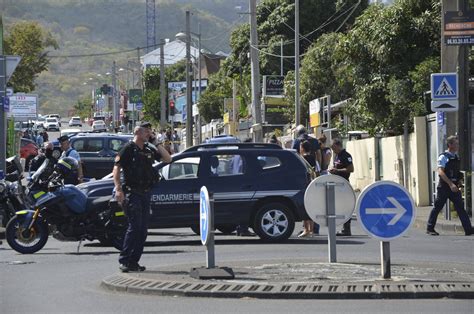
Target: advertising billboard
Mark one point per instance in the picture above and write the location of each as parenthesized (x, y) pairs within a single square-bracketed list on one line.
[(23, 107), (177, 95)]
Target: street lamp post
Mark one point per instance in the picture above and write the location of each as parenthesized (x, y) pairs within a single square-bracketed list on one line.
[(189, 103)]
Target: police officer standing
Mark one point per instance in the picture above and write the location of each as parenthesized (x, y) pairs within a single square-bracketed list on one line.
[(450, 179), (136, 159), (342, 166)]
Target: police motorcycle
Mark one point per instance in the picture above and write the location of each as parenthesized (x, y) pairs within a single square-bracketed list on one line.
[(66, 213), (12, 192)]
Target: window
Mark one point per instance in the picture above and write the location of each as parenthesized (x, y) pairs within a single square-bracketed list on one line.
[(88, 145), (227, 165), (186, 168), (116, 144), (268, 162), (94, 145), (79, 145)]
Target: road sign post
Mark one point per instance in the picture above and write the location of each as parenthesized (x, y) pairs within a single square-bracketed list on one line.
[(386, 211), (206, 229), (322, 205)]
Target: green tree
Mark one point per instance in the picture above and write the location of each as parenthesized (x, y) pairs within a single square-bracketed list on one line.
[(83, 107), (30, 41), (379, 56)]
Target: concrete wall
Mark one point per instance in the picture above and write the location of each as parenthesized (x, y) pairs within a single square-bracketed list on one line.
[(391, 161)]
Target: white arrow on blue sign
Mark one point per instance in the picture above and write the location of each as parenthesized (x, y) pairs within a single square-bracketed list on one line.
[(385, 210), (204, 221)]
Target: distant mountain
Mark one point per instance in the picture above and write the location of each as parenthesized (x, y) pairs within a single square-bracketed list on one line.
[(88, 27)]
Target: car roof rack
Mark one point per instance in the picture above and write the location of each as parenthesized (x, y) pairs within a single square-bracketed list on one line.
[(221, 146)]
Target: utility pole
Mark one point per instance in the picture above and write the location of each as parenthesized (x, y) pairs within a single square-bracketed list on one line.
[(116, 96), (198, 117), (256, 89), (162, 85), (189, 87), (281, 58), (3, 86), (456, 59), (297, 63)]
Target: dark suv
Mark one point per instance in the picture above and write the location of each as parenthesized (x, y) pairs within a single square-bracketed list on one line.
[(261, 185), (98, 152)]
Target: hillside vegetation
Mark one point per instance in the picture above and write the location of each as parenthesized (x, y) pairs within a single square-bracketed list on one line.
[(88, 27)]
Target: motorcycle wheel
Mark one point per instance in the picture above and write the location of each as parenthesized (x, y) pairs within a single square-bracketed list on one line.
[(26, 241)]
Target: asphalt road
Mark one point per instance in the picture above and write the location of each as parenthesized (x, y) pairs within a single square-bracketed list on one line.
[(59, 280)]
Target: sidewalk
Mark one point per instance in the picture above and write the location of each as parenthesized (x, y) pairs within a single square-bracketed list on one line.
[(302, 279), (442, 225)]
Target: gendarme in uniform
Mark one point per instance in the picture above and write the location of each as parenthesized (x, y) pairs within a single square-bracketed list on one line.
[(450, 179), (139, 177)]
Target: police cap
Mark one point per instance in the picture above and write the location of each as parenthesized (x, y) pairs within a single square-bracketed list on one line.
[(63, 138)]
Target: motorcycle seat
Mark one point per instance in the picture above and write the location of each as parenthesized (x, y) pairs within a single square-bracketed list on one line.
[(98, 203)]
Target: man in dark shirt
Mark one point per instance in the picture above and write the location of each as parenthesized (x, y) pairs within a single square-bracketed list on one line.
[(136, 159), (301, 136), (342, 166)]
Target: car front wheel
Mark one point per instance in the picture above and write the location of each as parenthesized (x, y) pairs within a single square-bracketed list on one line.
[(274, 222)]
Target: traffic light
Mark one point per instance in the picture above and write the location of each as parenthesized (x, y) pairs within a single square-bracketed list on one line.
[(172, 108), (104, 89)]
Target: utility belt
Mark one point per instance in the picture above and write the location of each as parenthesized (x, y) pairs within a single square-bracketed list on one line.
[(142, 191)]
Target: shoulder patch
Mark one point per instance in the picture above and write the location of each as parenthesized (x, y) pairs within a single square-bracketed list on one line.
[(349, 159)]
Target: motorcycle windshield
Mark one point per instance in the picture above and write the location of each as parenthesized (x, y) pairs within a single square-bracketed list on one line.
[(40, 170)]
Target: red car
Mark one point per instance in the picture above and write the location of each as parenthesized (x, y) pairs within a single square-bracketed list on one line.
[(28, 150)]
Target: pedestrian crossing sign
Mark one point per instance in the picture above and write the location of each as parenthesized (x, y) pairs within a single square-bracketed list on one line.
[(444, 86)]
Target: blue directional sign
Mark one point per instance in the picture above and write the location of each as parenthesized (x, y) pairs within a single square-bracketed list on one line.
[(385, 210), (444, 86), (204, 212)]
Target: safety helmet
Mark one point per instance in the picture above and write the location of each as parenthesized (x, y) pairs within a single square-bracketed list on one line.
[(66, 166)]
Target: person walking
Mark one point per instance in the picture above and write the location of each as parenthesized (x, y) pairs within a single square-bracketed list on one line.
[(136, 159), (450, 180), (342, 166), (68, 151)]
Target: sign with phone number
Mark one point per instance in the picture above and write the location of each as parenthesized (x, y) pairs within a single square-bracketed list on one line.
[(458, 28)]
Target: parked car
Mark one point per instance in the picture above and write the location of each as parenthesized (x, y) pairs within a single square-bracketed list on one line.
[(75, 121), (98, 151), (51, 124), (261, 185), (99, 126), (28, 150)]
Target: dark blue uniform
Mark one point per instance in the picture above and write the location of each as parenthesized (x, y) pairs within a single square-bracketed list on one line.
[(451, 164), (139, 177)]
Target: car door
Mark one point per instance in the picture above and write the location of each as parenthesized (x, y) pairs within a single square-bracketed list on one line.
[(90, 150), (232, 184), (175, 199)]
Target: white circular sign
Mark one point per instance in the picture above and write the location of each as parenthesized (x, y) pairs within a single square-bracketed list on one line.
[(315, 199)]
